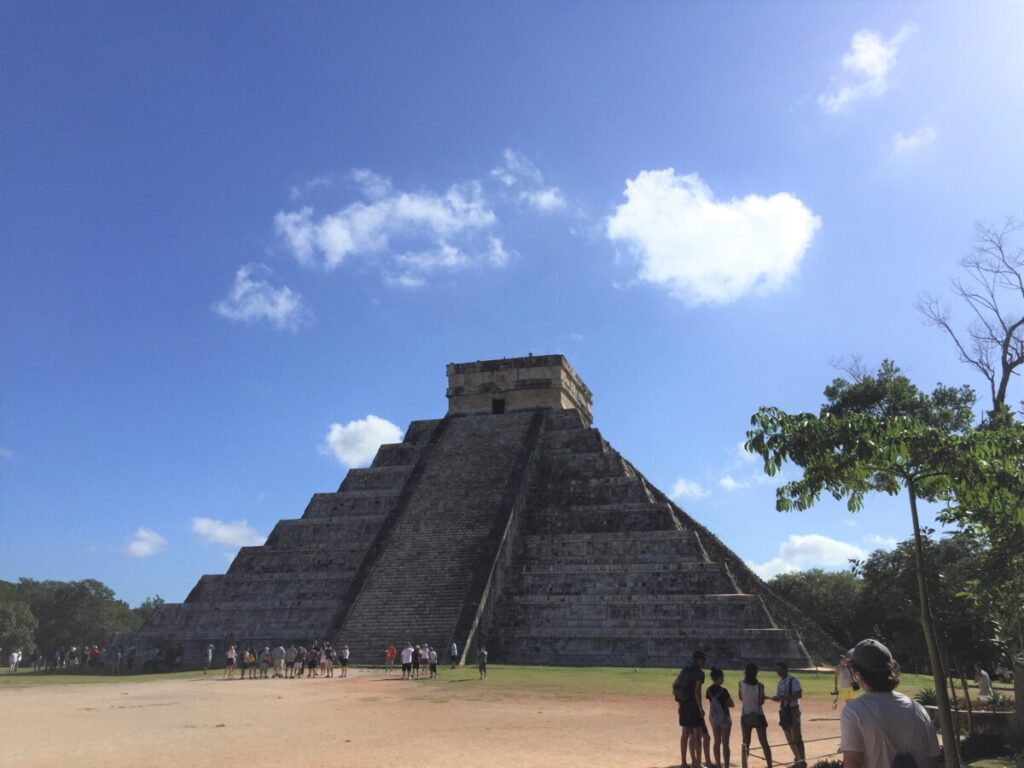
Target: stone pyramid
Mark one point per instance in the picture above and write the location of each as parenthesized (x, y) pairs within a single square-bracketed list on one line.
[(509, 524)]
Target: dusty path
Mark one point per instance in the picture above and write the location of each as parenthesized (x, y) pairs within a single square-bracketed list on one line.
[(362, 722)]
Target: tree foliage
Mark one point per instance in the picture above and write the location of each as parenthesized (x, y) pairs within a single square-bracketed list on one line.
[(832, 598), (880, 433), (71, 612)]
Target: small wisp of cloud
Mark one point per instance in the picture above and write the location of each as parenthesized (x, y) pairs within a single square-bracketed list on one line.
[(237, 533), (865, 69), (688, 489), (524, 181), (919, 139), (145, 542), (252, 299)]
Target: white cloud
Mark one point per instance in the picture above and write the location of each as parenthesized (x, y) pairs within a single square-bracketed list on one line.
[(732, 484), (6, 453), (798, 553), (920, 138), (866, 68), (316, 182), (706, 251), (234, 534), (356, 443), (688, 489), (520, 176), (144, 543), (252, 299), (881, 542), (390, 222)]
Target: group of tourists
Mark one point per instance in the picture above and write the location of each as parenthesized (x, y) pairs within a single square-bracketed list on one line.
[(421, 660), (319, 660), (879, 728), (100, 660)]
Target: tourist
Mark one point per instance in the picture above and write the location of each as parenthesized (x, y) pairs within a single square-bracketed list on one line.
[(289, 660), (300, 661), (312, 660), (751, 696), (686, 689), (481, 662), (984, 682), (266, 662), (416, 662), (720, 702), (209, 659), (279, 654), (432, 659), (251, 661), (12, 662), (843, 687), (407, 653), (389, 659), (344, 660), (788, 694), (229, 661), (883, 727), (326, 668), (243, 663), (453, 654)]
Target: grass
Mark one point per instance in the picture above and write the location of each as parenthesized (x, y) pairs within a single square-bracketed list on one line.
[(573, 682)]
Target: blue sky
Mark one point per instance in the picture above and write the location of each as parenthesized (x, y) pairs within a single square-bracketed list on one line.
[(226, 228)]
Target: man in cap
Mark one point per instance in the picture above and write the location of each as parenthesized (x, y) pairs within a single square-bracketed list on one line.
[(882, 727)]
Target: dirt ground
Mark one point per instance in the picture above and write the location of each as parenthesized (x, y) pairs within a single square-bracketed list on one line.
[(361, 722)]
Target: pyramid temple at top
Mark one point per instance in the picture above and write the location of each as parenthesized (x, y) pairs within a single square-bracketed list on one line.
[(509, 524)]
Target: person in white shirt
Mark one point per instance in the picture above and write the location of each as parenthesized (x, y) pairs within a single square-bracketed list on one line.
[(788, 694), (843, 686), (407, 652), (883, 724), (984, 683)]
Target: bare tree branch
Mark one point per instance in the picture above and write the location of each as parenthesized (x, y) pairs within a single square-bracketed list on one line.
[(992, 287)]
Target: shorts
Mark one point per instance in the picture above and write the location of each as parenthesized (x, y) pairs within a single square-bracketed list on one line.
[(231, 662), (407, 667), (433, 667), (847, 694), (344, 662), (312, 664), (754, 720), (690, 717), (290, 664)]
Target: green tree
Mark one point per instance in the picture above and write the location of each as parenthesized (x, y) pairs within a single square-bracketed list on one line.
[(832, 598), (145, 609), (880, 433), (17, 627)]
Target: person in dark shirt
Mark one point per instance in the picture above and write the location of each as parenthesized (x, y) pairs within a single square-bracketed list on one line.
[(720, 702), (687, 691)]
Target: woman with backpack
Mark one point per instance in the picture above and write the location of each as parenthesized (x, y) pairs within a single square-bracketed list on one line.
[(751, 695), (720, 702)]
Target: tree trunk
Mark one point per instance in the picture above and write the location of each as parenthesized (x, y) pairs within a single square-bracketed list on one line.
[(1018, 692), (950, 742), (967, 702)]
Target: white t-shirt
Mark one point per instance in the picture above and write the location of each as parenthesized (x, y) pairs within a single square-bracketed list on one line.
[(845, 676), (984, 685), (407, 655), (751, 697), (867, 721), (788, 685)]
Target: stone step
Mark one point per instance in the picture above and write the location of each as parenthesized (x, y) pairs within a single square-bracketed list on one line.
[(375, 478), (639, 546), (602, 517), (350, 503)]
